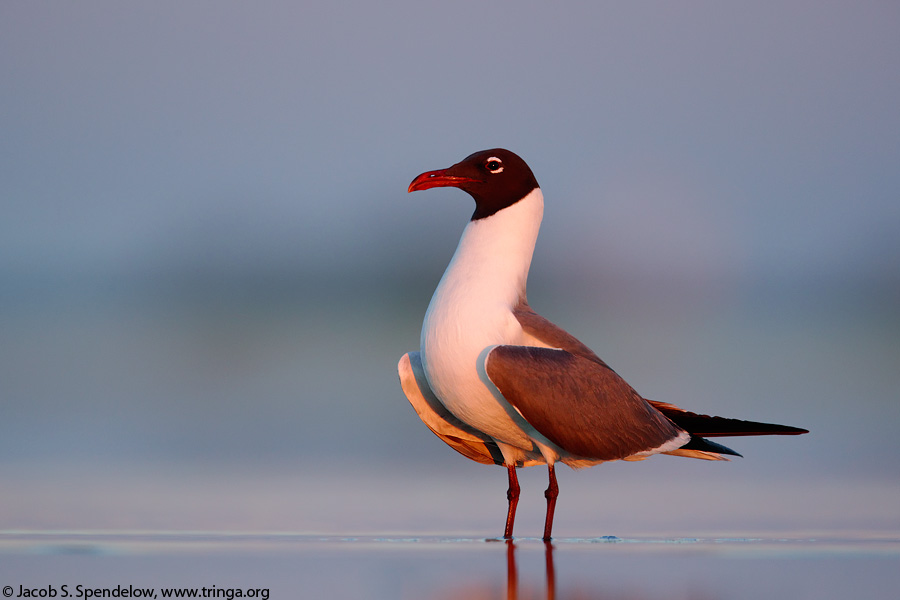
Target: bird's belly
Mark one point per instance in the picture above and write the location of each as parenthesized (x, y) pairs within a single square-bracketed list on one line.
[(453, 355)]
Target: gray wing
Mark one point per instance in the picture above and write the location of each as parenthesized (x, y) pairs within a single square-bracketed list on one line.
[(580, 404), (551, 334), (699, 426)]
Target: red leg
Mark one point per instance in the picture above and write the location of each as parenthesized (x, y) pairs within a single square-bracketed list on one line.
[(512, 494), (551, 494)]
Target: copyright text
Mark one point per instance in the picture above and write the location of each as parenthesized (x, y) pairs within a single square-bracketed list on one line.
[(130, 591)]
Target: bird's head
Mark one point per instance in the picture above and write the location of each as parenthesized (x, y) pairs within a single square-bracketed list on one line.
[(495, 178)]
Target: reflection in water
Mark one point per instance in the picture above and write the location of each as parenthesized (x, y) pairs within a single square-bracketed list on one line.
[(551, 571), (532, 588), (512, 571), (493, 590), (512, 579)]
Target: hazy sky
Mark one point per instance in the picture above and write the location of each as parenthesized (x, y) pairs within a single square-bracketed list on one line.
[(695, 137)]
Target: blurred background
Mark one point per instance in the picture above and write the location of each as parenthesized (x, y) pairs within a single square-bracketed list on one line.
[(210, 266)]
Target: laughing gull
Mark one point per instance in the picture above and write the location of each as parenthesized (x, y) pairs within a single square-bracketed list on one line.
[(502, 385)]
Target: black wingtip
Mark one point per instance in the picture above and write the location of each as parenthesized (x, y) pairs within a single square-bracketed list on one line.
[(704, 445), (787, 430), (707, 426), (722, 427)]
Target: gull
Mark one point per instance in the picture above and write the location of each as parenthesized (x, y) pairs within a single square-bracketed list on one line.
[(501, 384)]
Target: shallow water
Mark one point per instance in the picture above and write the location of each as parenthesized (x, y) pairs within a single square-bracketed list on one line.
[(406, 565)]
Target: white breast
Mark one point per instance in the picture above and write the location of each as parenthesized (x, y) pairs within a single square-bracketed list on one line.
[(471, 311)]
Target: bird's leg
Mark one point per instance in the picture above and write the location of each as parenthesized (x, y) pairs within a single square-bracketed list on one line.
[(512, 494), (551, 494)]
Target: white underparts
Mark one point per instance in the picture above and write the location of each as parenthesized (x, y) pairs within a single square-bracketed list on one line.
[(472, 309)]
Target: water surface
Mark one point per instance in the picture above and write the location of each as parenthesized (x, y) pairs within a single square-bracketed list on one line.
[(303, 565)]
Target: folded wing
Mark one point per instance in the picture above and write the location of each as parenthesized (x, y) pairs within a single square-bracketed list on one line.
[(579, 404)]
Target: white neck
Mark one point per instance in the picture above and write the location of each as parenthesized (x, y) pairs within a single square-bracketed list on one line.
[(490, 266), (471, 310)]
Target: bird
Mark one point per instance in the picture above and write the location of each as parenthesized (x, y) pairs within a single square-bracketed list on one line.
[(501, 384)]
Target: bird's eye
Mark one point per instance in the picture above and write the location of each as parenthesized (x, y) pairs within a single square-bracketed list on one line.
[(494, 165)]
